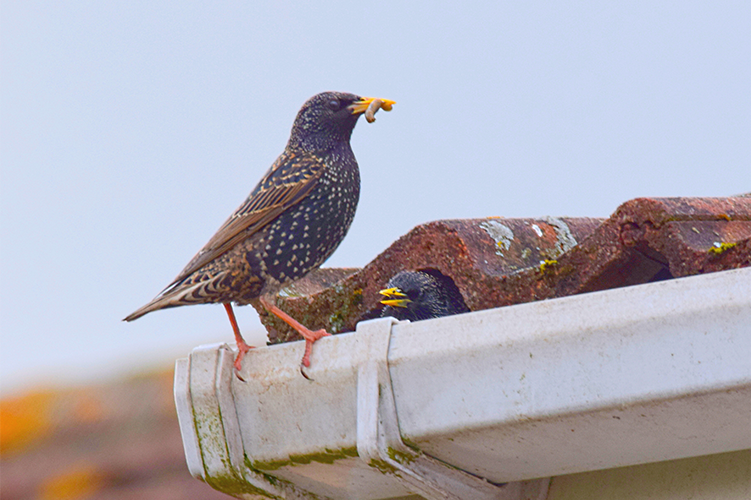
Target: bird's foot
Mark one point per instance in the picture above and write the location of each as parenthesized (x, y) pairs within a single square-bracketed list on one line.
[(309, 340), (309, 335), (242, 349)]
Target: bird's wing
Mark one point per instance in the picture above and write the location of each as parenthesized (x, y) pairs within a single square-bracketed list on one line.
[(288, 181)]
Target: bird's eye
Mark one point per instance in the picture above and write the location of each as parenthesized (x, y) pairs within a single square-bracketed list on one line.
[(334, 104)]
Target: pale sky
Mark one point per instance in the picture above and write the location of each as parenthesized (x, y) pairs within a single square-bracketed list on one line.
[(131, 130)]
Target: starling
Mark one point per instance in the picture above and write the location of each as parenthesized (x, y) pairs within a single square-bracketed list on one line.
[(418, 295), (288, 226)]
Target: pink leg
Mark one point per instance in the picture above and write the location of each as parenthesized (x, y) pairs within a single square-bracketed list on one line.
[(308, 335), (242, 347)]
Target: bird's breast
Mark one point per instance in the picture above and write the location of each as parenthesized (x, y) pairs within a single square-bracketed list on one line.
[(305, 235)]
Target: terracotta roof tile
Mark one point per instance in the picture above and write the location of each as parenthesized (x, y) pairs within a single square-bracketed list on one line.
[(497, 262)]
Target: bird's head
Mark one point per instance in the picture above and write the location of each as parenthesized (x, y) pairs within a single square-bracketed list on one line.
[(405, 296), (327, 119), (418, 295)]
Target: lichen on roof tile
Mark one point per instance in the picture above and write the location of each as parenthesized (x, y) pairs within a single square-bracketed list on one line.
[(495, 262)]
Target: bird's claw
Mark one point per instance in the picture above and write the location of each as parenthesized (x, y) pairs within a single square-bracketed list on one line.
[(309, 341), (237, 365), (302, 372), (242, 349)]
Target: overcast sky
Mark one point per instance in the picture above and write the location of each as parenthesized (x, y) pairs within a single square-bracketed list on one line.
[(131, 130)]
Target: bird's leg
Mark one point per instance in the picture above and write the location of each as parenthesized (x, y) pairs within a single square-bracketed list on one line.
[(308, 335), (242, 347)]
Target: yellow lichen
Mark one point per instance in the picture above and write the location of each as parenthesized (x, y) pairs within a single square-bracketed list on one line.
[(547, 265), (721, 247)]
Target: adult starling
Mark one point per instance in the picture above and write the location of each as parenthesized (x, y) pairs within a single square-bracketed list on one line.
[(418, 295), (290, 223)]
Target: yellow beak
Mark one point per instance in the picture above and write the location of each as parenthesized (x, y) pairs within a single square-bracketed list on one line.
[(395, 297), (395, 302)]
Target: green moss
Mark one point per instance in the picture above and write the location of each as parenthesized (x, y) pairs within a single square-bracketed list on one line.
[(357, 297), (383, 466), (235, 486), (720, 248), (210, 427), (275, 481), (398, 456), (336, 322), (327, 457), (257, 465), (271, 479), (343, 310), (410, 443)]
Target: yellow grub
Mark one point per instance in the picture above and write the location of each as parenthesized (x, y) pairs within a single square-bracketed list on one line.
[(375, 105)]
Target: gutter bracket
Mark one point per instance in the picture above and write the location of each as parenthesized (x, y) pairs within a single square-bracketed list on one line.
[(380, 445), (211, 430)]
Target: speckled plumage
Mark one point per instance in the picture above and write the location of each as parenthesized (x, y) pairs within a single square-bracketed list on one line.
[(290, 223), (422, 296)]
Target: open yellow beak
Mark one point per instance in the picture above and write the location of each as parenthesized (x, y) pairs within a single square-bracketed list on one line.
[(395, 297)]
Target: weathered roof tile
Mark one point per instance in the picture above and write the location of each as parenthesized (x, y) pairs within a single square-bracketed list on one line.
[(497, 262)]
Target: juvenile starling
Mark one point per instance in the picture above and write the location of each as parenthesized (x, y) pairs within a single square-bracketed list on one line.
[(289, 225), (417, 295)]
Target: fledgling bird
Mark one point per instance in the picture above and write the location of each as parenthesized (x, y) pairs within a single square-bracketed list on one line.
[(417, 295), (290, 223)]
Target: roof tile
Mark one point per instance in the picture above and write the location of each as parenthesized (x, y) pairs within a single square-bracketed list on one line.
[(497, 262)]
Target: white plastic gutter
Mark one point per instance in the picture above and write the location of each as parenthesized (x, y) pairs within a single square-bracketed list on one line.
[(627, 376)]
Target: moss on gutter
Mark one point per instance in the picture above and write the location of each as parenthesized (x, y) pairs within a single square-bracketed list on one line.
[(209, 427), (400, 456), (383, 466), (327, 457), (234, 486), (411, 444)]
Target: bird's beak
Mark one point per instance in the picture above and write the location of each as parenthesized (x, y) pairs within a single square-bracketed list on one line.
[(362, 105), (395, 298)]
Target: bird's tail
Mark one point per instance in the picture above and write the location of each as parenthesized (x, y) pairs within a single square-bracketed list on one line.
[(181, 294), (154, 305)]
